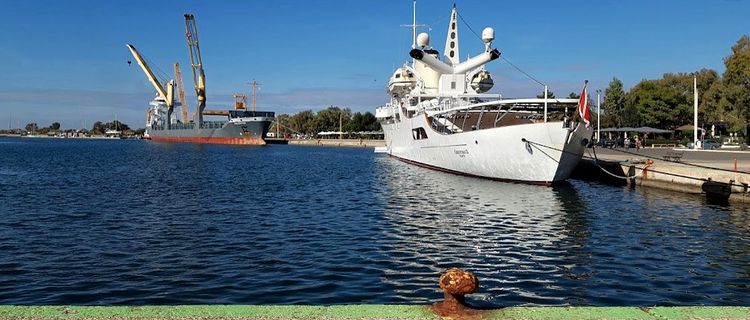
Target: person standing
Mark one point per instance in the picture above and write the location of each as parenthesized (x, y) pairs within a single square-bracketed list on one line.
[(637, 143)]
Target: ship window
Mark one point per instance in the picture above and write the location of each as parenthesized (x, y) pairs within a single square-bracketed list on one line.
[(453, 35), (398, 76), (452, 53), (453, 83), (453, 44), (453, 26), (419, 133)]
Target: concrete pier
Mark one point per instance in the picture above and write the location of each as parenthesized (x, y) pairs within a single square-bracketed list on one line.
[(675, 169), (361, 312), (355, 143)]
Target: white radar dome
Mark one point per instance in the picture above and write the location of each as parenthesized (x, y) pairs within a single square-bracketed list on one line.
[(488, 34), (423, 40)]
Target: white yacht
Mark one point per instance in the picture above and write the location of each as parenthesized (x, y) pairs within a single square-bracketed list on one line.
[(440, 116)]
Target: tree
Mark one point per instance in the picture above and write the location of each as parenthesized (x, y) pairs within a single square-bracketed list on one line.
[(370, 123), (282, 124), (550, 95), (710, 104), (329, 119), (363, 122), (663, 103), (116, 125), (32, 127), (614, 103), (735, 90), (98, 128), (574, 95), (302, 122), (55, 126)]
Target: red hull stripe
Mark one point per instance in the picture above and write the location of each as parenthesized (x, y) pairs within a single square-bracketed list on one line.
[(212, 140), (419, 164)]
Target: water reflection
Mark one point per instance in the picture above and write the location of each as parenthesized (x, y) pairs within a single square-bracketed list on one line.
[(575, 244), (144, 223), (517, 238)]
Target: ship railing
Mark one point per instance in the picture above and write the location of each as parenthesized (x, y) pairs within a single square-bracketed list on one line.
[(448, 106)]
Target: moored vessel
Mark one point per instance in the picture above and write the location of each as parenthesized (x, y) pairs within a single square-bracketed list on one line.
[(441, 116), (241, 126)]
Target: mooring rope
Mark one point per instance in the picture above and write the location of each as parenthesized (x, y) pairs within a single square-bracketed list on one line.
[(683, 163), (596, 162), (640, 168)]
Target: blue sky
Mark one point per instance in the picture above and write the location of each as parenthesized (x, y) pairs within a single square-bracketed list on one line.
[(66, 61)]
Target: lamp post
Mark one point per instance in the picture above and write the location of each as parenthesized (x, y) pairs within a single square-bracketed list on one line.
[(545, 103), (598, 115)]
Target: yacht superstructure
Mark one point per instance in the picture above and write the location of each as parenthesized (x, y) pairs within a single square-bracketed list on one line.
[(441, 116)]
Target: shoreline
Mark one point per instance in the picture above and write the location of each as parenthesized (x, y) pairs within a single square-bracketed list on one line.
[(62, 137)]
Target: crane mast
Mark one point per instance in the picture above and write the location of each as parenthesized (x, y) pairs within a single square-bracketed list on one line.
[(181, 93), (165, 92), (196, 64)]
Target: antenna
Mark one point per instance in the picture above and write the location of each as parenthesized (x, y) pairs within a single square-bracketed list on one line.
[(414, 25)]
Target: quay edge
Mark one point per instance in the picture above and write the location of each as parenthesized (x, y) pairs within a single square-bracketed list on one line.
[(673, 176), (359, 312), (364, 143), (688, 180)]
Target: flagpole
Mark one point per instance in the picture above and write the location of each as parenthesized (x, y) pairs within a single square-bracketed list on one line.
[(598, 115), (695, 112)]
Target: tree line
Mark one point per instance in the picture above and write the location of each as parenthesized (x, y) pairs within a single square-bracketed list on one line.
[(98, 128), (667, 103), (310, 123)]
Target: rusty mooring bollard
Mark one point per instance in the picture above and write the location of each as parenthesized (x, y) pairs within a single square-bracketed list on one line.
[(455, 284)]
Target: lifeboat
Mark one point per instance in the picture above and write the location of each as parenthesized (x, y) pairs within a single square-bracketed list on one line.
[(402, 82)]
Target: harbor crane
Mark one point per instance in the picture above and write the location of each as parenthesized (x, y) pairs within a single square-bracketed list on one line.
[(165, 91), (181, 93), (196, 64)]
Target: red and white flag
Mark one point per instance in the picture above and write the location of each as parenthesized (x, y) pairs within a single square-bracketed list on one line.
[(583, 105)]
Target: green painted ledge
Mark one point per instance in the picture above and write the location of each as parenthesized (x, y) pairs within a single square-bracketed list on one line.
[(359, 312)]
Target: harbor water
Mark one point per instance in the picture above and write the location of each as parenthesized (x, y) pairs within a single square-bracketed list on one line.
[(115, 222)]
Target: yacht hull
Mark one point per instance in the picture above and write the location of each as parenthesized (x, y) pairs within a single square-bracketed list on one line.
[(537, 153)]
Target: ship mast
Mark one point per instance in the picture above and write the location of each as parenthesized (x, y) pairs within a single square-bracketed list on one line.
[(451, 54), (414, 25)]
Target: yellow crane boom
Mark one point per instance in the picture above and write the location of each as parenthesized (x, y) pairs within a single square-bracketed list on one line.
[(165, 93), (181, 93)]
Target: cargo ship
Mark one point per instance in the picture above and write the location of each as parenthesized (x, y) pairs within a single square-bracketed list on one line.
[(240, 126)]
